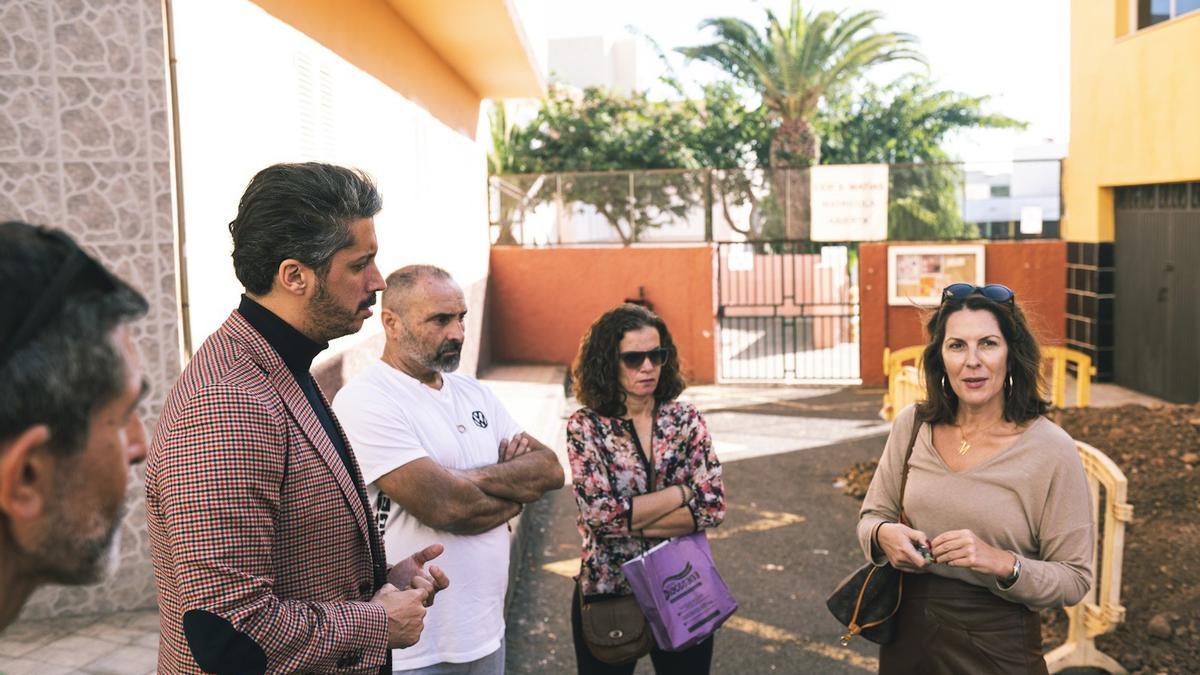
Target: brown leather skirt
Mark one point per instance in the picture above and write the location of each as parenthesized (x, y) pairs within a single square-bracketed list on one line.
[(946, 626)]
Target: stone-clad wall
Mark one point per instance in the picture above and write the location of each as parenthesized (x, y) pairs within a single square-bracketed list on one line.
[(84, 146)]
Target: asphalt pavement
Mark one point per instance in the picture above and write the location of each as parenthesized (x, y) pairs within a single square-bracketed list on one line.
[(786, 542)]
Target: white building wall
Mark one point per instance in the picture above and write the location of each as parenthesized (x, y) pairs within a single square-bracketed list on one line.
[(254, 91), (623, 62), (1033, 179), (580, 62), (595, 62)]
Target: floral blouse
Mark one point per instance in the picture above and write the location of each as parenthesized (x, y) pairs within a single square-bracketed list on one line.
[(609, 470)]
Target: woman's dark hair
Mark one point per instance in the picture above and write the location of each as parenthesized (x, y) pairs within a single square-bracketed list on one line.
[(594, 373), (297, 211), (1022, 401)]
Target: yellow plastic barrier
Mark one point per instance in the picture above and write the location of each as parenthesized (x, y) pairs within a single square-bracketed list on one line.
[(1058, 358), (1101, 610), (905, 385), (904, 379)]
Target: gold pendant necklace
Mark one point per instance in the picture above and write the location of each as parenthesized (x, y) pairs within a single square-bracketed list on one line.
[(965, 446)]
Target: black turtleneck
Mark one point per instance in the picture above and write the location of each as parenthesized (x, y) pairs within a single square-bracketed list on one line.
[(297, 352)]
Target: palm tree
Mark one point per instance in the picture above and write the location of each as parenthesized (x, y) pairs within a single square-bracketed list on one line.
[(793, 66)]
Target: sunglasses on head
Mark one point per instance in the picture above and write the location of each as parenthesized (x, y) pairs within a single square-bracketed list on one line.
[(993, 292), (636, 359)]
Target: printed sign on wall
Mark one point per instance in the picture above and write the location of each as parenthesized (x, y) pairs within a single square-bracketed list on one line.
[(849, 202), (917, 274)]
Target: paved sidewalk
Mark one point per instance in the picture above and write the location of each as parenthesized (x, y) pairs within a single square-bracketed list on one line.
[(125, 643), (1108, 395)]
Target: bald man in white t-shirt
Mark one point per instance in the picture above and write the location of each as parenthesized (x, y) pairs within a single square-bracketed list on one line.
[(445, 463)]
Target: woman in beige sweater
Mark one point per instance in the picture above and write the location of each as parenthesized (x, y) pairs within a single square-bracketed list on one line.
[(997, 512)]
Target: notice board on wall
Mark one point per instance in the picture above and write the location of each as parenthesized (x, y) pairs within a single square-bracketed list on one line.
[(917, 274)]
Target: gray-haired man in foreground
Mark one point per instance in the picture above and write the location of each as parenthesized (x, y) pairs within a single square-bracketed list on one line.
[(70, 382)]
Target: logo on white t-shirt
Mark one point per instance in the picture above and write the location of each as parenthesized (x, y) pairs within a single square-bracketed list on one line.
[(383, 506), (479, 419)]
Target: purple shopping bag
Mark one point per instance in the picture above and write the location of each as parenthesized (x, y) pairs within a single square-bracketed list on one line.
[(680, 591)]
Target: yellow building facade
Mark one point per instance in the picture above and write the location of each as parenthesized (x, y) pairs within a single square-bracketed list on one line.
[(1132, 192)]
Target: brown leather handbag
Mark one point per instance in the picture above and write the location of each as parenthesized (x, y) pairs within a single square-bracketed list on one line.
[(615, 629), (866, 602)]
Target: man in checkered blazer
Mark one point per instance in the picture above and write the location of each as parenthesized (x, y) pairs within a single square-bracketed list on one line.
[(263, 546)]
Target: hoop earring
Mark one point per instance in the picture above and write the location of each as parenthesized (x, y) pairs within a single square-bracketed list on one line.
[(1008, 388), (946, 389)]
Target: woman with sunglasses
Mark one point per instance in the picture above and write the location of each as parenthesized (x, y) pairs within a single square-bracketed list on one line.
[(996, 519), (643, 467)]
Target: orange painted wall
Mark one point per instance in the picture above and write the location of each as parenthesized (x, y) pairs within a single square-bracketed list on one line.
[(541, 301), (371, 35), (1035, 270)]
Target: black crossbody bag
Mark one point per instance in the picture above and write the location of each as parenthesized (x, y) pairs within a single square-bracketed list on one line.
[(866, 602)]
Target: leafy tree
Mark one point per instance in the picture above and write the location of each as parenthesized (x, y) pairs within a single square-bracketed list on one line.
[(904, 124), (735, 140), (601, 131), (793, 66), (587, 137), (901, 122), (590, 136)]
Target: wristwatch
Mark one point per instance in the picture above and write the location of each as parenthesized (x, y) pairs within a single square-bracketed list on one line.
[(1012, 577)]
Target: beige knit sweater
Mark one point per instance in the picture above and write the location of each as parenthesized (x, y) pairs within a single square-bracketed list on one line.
[(1031, 499)]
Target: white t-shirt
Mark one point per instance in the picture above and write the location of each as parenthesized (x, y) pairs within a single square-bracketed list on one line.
[(392, 419)]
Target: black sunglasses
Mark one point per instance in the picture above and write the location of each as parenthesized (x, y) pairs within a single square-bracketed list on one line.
[(634, 360), (993, 292)]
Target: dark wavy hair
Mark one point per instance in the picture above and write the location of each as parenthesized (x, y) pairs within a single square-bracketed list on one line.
[(1022, 401), (298, 211), (595, 375)]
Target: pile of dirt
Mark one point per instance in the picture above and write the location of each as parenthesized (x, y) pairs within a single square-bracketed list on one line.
[(1159, 451)]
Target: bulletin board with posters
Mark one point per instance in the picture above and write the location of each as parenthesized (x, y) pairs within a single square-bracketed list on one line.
[(917, 274)]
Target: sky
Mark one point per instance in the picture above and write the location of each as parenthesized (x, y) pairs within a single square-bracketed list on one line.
[(1016, 52)]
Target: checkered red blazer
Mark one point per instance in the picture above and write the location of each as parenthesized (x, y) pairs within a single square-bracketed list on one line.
[(253, 518)]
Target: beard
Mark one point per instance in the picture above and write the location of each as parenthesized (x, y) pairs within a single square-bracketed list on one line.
[(328, 320), (443, 359), (80, 548), (446, 359)]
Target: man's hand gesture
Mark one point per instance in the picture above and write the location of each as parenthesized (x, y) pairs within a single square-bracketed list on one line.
[(405, 612), (411, 573)]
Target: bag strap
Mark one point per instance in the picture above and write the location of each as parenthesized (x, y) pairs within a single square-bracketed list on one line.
[(855, 628), (651, 475), (912, 441), (853, 625), (650, 460)]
